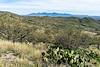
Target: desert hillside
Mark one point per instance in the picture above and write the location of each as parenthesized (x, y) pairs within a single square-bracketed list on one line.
[(36, 41)]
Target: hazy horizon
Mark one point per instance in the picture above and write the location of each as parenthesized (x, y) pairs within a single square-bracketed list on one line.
[(80, 7)]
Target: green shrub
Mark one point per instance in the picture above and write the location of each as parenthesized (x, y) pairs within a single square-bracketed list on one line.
[(73, 39), (75, 58)]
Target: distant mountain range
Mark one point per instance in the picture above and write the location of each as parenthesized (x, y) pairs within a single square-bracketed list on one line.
[(63, 15)]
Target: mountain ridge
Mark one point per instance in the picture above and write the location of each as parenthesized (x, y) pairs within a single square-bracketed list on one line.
[(54, 14), (62, 15)]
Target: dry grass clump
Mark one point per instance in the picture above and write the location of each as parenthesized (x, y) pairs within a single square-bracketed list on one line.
[(23, 53), (16, 64), (89, 33), (94, 49)]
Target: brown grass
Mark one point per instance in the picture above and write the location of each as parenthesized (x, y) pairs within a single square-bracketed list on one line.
[(23, 52)]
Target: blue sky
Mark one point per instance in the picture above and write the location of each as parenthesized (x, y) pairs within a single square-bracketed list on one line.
[(85, 7)]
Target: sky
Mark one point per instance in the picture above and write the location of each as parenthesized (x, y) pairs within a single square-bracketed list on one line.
[(23, 7)]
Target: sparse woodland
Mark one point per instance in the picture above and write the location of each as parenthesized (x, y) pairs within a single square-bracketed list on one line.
[(27, 41)]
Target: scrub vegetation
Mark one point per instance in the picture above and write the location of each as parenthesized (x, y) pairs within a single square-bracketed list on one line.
[(34, 41)]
